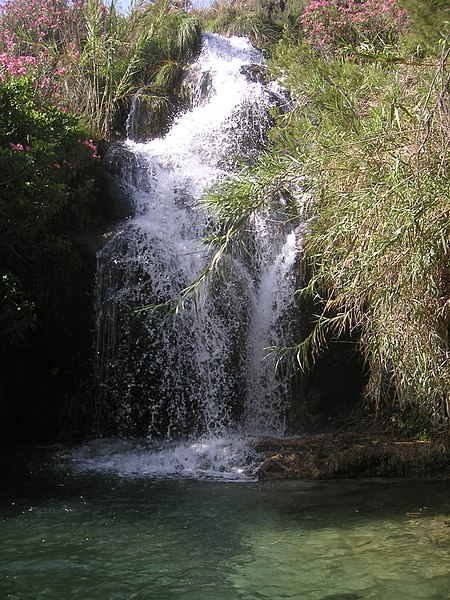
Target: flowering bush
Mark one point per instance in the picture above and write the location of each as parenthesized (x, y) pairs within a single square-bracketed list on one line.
[(26, 24), (34, 39), (17, 66), (43, 154), (47, 179), (331, 24)]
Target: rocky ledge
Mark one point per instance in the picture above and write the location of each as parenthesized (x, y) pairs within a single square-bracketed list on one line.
[(344, 455)]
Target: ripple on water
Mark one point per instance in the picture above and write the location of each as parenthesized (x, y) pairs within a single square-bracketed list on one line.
[(90, 535)]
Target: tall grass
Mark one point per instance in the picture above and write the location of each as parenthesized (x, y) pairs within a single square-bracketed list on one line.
[(120, 57), (100, 74), (256, 19), (369, 141), (430, 23), (379, 248), (380, 230), (89, 58)]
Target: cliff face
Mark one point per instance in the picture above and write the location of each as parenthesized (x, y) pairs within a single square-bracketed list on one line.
[(47, 390)]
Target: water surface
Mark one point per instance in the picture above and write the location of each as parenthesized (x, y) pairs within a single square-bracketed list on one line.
[(92, 535)]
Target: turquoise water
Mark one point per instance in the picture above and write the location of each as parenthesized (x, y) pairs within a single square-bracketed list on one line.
[(89, 536)]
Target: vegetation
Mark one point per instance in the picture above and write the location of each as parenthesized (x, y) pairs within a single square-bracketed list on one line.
[(47, 170), (87, 57), (368, 141), (252, 19)]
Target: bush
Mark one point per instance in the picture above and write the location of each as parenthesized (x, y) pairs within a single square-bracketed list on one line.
[(46, 169), (333, 24)]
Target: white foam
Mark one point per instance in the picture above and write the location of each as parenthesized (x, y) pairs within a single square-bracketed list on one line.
[(230, 458)]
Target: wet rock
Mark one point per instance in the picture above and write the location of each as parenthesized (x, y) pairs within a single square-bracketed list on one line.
[(255, 73), (343, 455)]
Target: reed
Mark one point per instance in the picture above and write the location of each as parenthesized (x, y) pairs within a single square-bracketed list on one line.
[(89, 58), (143, 54), (368, 141)]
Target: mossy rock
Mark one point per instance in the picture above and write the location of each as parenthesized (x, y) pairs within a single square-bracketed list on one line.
[(341, 455)]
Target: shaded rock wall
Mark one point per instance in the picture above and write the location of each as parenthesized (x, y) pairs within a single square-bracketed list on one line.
[(47, 382)]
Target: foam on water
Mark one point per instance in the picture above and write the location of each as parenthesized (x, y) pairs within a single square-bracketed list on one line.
[(228, 458)]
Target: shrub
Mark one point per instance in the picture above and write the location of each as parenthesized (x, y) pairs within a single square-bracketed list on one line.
[(32, 39), (331, 24), (46, 191)]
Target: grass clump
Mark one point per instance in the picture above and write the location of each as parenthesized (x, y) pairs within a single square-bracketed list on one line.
[(264, 22), (250, 19)]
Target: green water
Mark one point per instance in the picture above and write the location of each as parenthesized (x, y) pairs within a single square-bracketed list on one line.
[(101, 537)]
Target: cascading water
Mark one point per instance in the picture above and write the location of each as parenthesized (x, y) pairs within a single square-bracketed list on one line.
[(198, 382)]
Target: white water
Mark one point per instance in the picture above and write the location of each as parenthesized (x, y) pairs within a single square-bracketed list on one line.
[(201, 382)]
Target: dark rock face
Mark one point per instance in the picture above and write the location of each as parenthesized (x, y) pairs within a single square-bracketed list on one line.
[(47, 383), (332, 390)]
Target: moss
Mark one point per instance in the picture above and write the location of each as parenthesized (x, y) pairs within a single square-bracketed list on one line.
[(339, 455)]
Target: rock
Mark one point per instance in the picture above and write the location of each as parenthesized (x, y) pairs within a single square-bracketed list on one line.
[(344, 455), (255, 73)]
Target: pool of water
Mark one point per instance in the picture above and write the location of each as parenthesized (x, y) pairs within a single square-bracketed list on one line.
[(102, 536)]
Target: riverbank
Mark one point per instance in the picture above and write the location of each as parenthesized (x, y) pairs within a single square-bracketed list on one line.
[(340, 454)]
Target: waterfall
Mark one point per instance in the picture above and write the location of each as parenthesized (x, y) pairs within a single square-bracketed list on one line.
[(195, 387)]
